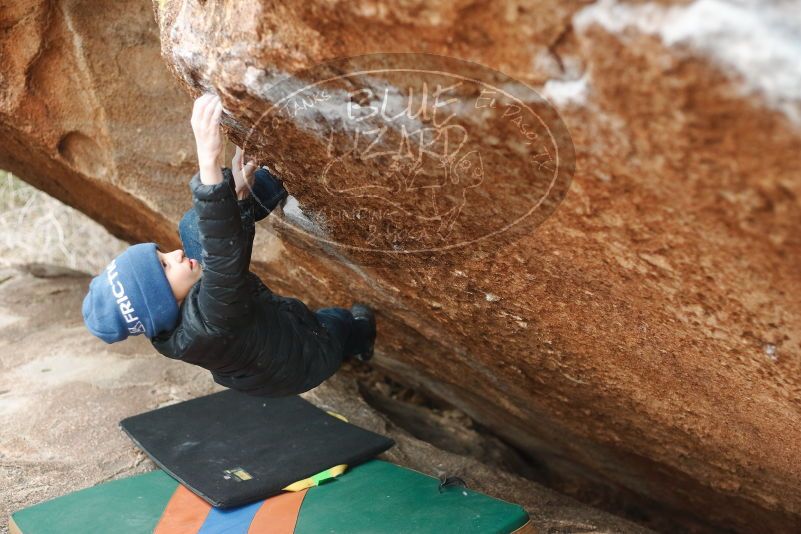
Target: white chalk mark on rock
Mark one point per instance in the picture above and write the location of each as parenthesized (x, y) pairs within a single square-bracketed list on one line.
[(757, 40)]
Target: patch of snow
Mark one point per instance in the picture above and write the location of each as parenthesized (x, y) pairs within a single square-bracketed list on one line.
[(518, 91), (294, 213), (322, 109), (758, 40), (567, 92)]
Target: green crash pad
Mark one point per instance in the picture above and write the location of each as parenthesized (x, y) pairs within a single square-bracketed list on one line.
[(126, 506), (371, 498)]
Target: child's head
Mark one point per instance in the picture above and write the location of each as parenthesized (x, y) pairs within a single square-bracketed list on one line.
[(139, 292)]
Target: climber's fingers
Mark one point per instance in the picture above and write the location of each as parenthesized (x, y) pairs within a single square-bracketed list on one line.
[(197, 110), (206, 127), (208, 105), (249, 169), (201, 112), (217, 111), (236, 161), (201, 108), (241, 171), (249, 173), (210, 116)]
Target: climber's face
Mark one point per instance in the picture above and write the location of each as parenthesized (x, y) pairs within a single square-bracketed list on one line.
[(182, 272)]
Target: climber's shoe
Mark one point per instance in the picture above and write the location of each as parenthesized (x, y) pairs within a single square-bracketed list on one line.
[(364, 327)]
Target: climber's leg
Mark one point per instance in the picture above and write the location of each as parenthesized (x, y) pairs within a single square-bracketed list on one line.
[(268, 192), (315, 343), (354, 326), (363, 334), (339, 323), (322, 347), (190, 235)]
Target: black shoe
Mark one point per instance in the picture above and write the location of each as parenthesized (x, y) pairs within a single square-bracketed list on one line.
[(364, 320)]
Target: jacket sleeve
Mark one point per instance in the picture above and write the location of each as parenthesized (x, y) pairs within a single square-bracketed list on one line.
[(224, 292), (247, 214)]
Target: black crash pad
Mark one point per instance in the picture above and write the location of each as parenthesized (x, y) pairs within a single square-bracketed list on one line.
[(231, 448)]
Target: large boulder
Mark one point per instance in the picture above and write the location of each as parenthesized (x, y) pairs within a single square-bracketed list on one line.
[(645, 334), (89, 113), (641, 336)]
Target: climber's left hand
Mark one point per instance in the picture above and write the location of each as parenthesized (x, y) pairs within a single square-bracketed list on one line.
[(243, 174)]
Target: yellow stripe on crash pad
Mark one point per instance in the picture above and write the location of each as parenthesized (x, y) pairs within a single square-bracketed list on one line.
[(528, 528), (185, 513), (316, 479), (279, 514), (337, 415)]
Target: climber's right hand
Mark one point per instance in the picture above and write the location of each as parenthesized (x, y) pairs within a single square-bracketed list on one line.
[(206, 126)]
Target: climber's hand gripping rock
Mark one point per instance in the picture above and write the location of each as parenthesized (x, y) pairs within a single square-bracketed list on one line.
[(208, 137), (243, 174)]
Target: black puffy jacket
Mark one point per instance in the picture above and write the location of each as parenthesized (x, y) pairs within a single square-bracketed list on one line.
[(231, 323)]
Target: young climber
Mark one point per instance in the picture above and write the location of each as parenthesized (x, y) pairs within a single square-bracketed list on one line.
[(203, 306)]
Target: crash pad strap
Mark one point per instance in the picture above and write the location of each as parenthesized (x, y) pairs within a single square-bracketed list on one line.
[(279, 514), (185, 512), (231, 520)]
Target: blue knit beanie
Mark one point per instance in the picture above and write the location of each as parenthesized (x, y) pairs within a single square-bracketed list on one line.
[(131, 296)]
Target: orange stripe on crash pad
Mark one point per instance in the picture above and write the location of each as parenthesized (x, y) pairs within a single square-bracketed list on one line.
[(184, 514), (279, 514)]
